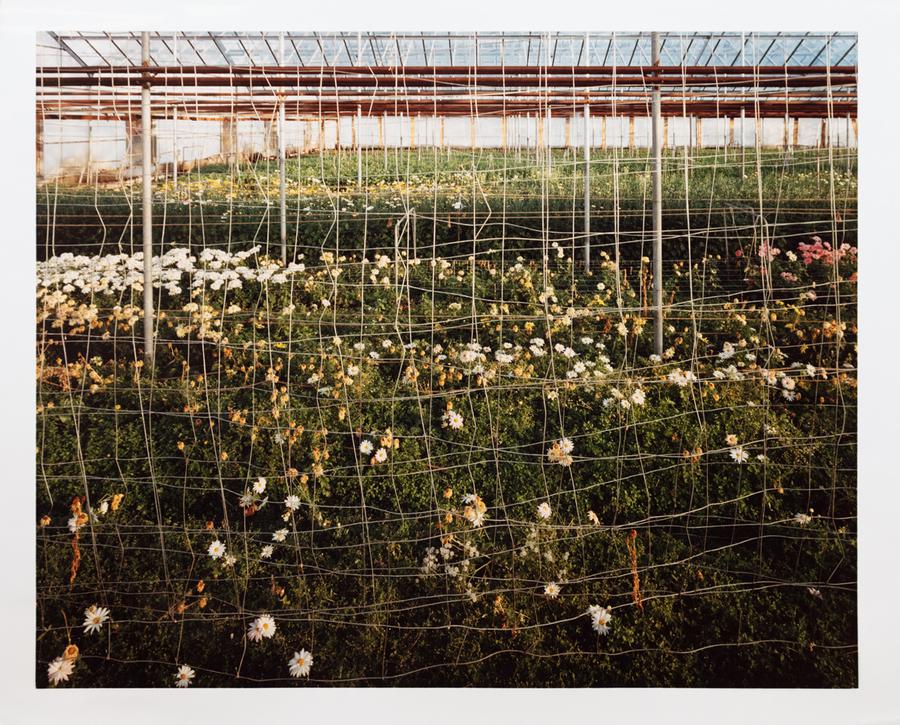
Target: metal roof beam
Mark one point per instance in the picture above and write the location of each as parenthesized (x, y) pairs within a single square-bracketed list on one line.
[(66, 47)]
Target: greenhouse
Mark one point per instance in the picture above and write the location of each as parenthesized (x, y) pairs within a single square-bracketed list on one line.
[(498, 359)]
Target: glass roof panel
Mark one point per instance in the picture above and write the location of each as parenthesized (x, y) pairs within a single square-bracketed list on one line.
[(443, 48)]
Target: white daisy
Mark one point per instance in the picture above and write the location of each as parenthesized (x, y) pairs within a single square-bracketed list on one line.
[(267, 552), (292, 502), (454, 420), (802, 519), (60, 670), (300, 664), (731, 439), (366, 448), (94, 618), (259, 486), (739, 455), (552, 590), (261, 627), (216, 549), (544, 510), (280, 535), (600, 617), (381, 455), (184, 676)]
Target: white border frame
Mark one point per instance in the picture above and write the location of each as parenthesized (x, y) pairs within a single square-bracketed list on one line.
[(876, 701)]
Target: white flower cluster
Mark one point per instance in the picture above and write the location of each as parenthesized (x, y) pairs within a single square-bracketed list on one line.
[(682, 378), (560, 452), (445, 556), (114, 273)]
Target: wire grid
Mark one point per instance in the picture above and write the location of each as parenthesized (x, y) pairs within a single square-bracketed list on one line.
[(457, 444)]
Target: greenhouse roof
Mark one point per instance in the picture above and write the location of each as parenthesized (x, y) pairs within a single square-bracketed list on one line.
[(538, 49)]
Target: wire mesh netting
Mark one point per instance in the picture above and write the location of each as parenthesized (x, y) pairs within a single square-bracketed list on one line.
[(472, 359)]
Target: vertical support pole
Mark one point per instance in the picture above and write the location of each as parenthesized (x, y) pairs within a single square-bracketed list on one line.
[(743, 145), (226, 141), (549, 140), (657, 205), (727, 138), (175, 148), (282, 185), (587, 186), (381, 132), (175, 122), (39, 147), (147, 202), (89, 170), (631, 132), (359, 163)]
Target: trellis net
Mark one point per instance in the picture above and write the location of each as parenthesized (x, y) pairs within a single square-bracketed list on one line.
[(436, 445)]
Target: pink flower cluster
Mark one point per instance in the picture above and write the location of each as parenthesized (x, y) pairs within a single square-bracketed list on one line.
[(768, 252), (820, 250)]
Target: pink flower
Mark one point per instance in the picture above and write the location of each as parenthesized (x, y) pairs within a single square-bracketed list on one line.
[(768, 252), (822, 251)]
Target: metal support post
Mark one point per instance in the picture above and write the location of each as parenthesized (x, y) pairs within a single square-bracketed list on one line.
[(147, 202), (657, 207)]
